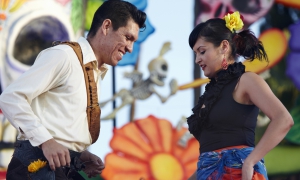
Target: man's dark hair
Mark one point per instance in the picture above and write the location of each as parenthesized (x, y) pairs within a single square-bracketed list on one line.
[(119, 12)]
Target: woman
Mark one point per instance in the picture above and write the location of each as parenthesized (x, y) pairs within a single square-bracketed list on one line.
[(224, 119)]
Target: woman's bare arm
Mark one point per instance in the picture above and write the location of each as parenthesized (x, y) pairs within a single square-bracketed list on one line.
[(256, 90)]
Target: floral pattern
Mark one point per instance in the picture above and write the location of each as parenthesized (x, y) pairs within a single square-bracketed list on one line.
[(148, 149), (6, 7)]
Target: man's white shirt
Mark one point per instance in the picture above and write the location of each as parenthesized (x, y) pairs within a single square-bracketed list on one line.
[(49, 100)]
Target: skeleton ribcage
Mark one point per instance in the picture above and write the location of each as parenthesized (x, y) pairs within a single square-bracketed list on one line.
[(142, 90)]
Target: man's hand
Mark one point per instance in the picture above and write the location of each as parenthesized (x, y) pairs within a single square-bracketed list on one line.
[(56, 154), (93, 164)]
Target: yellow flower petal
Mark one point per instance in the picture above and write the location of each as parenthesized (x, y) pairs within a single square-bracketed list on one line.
[(234, 21), (36, 165), (17, 4)]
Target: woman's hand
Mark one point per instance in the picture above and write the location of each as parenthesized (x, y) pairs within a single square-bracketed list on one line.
[(247, 171)]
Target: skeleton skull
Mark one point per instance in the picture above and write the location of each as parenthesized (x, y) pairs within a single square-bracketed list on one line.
[(28, 31), (158, 69), (252, 10)]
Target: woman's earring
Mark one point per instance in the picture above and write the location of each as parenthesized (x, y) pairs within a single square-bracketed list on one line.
[(224, 63)]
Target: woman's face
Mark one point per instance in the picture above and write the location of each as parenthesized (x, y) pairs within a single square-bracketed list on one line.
[(208, 57)]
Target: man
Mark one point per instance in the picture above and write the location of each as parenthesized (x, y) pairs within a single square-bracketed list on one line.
[(47, 104)]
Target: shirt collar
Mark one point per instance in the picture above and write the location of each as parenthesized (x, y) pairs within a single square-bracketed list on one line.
[(103, 69), (89, 56)]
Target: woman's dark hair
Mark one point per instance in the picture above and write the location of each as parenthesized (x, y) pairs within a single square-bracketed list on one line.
[(243, 43), (119, 12)]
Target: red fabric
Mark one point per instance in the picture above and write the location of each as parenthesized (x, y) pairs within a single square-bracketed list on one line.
[(231, 147), (2, 175), (236, 174)]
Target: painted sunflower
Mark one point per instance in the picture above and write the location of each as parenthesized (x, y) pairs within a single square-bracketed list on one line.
[(6, 6), (148, 149)]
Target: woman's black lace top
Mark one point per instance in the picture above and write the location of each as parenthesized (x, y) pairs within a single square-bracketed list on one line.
[(199, 120)]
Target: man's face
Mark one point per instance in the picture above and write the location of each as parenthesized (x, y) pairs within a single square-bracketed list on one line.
[(117, 43)]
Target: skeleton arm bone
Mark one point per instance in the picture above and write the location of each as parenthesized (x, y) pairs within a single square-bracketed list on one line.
[(102, 104), (173, 87), (135, 76), (162, 99), (119, 94), (125, 101)]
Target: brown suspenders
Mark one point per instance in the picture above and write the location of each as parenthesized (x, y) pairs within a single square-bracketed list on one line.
[(93, 109)]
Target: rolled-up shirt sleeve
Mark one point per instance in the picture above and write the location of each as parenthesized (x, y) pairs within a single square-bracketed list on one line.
[(49, 71)]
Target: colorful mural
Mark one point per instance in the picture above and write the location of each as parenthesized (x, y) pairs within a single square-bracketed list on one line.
[(30, 29), (150, 149), (144, 88), (251, 10), (279, 32), (275, 54), (293, 65)]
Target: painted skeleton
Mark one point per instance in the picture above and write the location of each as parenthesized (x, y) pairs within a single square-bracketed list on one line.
[(143, 89), (184, 139), (252, 10)]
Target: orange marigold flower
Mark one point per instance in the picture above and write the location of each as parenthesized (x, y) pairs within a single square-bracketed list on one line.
[(148, 149), (36, 165)]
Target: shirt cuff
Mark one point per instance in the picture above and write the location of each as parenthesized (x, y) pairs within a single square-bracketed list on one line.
[(38, 136)]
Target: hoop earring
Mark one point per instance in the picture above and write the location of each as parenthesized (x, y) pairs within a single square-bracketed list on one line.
[(224, 64)]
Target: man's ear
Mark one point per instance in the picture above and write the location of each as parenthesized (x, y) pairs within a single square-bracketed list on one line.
[(106, 24)]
